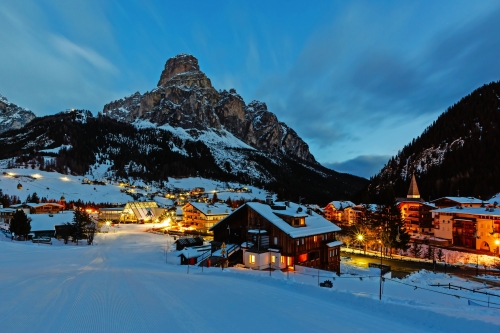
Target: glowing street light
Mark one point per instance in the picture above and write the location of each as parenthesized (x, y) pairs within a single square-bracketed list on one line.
[(36, 176)]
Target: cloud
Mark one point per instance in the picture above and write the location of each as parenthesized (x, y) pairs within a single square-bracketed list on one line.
[(366, 74), (363, 165)]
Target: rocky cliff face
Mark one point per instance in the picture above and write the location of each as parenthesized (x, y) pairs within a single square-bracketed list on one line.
[(13, 116), (186, 98)]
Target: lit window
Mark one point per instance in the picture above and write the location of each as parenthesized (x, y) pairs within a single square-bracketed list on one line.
[(251, 259), (315, 239), (273, 259), (282, 259)]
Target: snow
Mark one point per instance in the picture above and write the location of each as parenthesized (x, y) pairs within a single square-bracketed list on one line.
[(336, 243), (40, 222), (123, 284), (314, 223), (53, 185), (56, 150)]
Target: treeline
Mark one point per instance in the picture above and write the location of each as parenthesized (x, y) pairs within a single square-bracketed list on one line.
[(469, 170), (154, 155)]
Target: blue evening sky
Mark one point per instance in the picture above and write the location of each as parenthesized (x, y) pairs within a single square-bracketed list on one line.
[(357, 80)]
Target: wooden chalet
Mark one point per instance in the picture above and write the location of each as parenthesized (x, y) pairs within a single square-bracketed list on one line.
[(39, 208), (280, 235), (470, 202)]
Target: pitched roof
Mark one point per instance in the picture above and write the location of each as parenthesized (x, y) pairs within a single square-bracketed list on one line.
[(341, 204), (212, 209), (413, 190), (463, 200), (315, 224)]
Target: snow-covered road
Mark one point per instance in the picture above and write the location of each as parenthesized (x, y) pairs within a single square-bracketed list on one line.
[(123, 284)]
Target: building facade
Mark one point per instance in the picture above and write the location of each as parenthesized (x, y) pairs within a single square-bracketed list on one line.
[(202, 216), (280, 236)]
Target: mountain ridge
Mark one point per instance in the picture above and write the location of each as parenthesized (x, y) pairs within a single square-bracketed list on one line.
[(185, 97), (455, 155)]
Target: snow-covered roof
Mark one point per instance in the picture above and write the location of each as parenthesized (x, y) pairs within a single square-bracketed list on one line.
[(315, 224), (334, 243), (7, 210), (190, 253), (212, 209), (41, 222), (34, 204), (463, 200), (469, 210), (342, 204)]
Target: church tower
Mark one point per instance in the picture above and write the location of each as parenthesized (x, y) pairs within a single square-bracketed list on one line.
[(413, 190)]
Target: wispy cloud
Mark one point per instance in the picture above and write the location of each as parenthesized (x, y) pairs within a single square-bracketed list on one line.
[(364, 165)]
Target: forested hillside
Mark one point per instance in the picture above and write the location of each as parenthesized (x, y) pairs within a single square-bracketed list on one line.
[(76, 142), (457, 155)]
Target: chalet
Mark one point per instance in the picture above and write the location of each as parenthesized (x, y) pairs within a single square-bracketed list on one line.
[(202, 216), (281, 235), (336, 211), (474, 228), (6, 214), (414, 211), (39, 208), (459, 201)]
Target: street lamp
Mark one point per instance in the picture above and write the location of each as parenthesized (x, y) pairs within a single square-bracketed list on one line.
[(360, 239)]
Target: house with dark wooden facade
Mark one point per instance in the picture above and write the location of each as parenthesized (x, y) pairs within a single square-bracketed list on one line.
[(281, 235)]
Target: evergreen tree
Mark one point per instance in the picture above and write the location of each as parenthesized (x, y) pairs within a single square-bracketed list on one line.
[(440, 254), (416, 250), (81, 220), (20, 224), (387, 218), (215, 198), (429, 253)]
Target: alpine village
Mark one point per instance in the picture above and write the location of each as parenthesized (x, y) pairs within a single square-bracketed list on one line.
[(225, 184)]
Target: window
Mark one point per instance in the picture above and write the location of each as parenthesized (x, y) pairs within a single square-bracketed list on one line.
[(298, 242), (302, 241), (251, 259), (315, 239), (275, 240), (273, 259), (282, 259)]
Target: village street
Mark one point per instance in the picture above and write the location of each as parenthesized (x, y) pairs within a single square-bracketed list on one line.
[(122, 284)]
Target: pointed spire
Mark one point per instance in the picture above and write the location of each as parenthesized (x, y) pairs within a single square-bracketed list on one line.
[(413, 190)]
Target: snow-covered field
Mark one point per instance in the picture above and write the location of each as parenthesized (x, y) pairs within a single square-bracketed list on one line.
[(123, 284), (53, 185)]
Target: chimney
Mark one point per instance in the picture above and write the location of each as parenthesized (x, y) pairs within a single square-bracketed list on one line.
[(269, 200)]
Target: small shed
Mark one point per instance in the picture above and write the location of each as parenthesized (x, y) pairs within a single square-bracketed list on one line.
[(189, 256), (182, 243)]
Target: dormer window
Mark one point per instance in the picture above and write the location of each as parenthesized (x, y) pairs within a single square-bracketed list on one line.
[(298, 222)]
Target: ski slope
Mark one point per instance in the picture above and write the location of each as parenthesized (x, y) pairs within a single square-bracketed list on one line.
[(123, 284), (53, 185)]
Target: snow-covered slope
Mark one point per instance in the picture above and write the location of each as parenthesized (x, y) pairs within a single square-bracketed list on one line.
[(124, 284), (53, 185), (13, 116)]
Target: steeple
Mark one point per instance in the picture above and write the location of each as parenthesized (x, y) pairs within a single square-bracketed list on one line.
[(413, 190)]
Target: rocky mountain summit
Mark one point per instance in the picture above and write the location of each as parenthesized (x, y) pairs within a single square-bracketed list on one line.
[(13, 116), (185, 98)]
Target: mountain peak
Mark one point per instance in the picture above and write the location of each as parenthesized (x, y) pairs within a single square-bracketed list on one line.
[(181, 63)]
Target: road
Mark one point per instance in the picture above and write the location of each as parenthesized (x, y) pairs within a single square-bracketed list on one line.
[(401, 268)]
